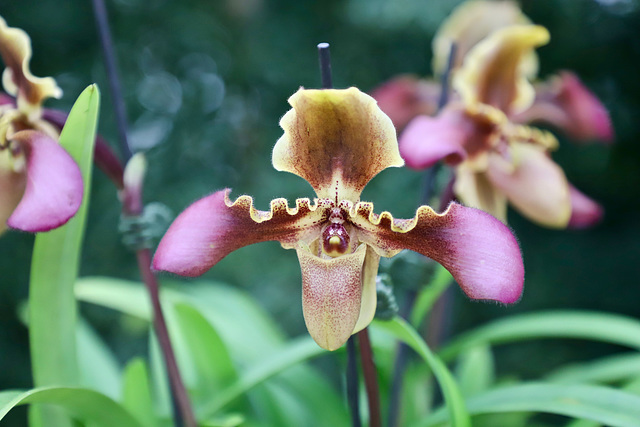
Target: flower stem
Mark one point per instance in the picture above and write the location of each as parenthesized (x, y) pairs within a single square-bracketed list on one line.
[(184, 415), (100, 12), (370, 378), (180, 396), (352, 382)]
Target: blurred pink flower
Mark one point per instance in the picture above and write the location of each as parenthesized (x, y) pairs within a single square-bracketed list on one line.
[(40, 184)]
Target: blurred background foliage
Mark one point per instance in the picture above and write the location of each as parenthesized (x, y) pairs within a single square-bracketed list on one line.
[(205, 84)]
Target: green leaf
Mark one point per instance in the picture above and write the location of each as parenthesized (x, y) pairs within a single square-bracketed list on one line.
[(297, 351), (87, 406), (54, 268), (597, 326), (429, 295), (606, 370), (601, 404), (401, 330), (136, 394), (475, 370), (92, 352)]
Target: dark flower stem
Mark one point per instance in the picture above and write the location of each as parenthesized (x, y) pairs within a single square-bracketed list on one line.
[(370, 378), (184, 415), (353, 397), (324, 56), (100, 12), (402, 352)]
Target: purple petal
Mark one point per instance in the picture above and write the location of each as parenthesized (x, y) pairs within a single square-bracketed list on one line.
[(54, 185), (478, 250), (427, 140), (585, 212), (213, 227)]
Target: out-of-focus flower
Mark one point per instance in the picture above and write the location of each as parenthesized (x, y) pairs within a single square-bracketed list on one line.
[(562, 101), (496, 158), (40, 184), (338, 140)]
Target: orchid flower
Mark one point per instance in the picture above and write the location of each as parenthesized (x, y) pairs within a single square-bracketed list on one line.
[(338, 140), (496, 159), (562, 101), (40, 184)]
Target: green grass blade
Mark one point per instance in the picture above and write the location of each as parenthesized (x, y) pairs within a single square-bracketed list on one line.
[(401, 330), (54, 267), (87, 406), (610, 369), (604, 405), (295, 352), (596, 326)]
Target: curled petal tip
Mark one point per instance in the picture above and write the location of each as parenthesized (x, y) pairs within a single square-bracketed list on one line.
[(15, 49), (54, 186)]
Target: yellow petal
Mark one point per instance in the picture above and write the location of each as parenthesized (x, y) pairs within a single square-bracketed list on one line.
[(30, 91), (468, 24), (336, 139), (475, 190), (369, 292), (12, 186), (494, 72)]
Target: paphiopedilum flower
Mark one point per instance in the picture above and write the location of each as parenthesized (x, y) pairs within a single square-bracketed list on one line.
[(496, 158), (561, 101), (338, 140), (40, 184)]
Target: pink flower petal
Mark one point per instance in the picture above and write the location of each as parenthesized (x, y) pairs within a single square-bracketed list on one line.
[(331, 295), (585, 212), (12, 185), (480, 251), (427, 140), (213, 227), (54, 185), (566, 103), (406, 97), (534, 184)]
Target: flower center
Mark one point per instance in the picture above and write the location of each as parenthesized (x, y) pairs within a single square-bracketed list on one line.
[(335, 237)]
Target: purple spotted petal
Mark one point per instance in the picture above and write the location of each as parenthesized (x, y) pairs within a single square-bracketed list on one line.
[(585, 212), (54, 185), (478, 250), (427, 140), (214, 226)]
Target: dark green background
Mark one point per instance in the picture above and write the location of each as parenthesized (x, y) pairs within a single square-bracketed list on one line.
[(207, 81)]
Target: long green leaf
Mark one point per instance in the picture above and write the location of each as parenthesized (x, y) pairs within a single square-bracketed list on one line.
[(136, 394), (609, 369), (400, 329), (297, 351), (85, 405), (588, 325), (604, 405), (54, 268)]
